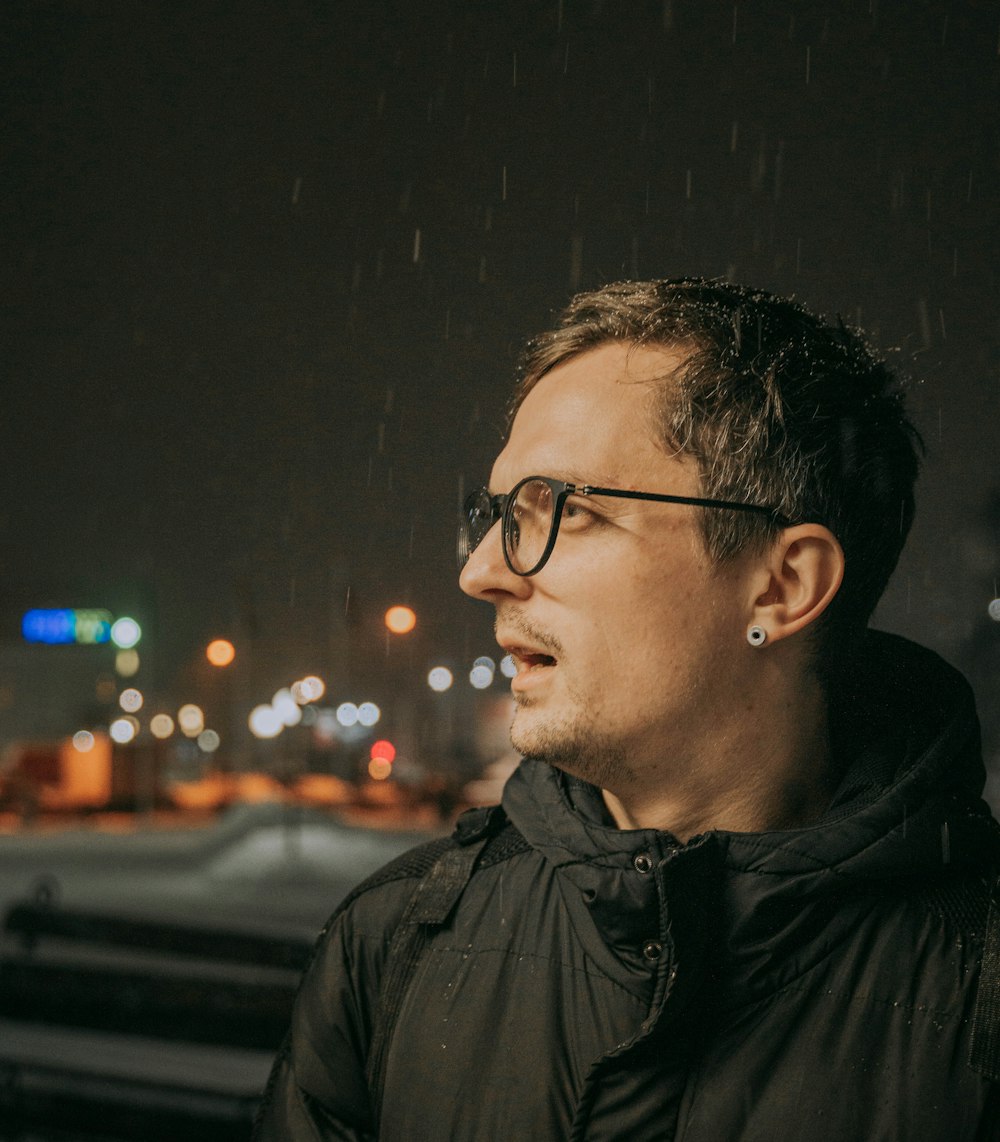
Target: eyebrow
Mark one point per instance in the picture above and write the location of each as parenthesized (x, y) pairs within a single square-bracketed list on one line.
[(569, 476), (600, 480)]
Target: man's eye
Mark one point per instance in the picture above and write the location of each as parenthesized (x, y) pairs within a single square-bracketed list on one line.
[(575, 511)]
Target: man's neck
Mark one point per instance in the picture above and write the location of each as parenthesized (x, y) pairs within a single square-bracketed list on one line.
[(780, 776)]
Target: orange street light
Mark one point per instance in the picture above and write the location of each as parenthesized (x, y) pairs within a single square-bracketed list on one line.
[(220, 652), (400, 620)]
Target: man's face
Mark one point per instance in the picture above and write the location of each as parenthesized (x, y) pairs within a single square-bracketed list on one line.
[(628, 638)]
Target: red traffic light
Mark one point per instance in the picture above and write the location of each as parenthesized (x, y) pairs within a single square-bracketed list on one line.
[(383, 749)]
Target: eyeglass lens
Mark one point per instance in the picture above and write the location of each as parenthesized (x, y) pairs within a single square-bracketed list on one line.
[(478, 516), (528, 524)]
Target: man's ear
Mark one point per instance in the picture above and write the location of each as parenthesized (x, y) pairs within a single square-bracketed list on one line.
[(804, 570)]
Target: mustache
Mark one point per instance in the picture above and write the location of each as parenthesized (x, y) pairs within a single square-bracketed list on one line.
[(512, 620)]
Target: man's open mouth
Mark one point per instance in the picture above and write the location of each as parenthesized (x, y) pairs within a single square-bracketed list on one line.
[(528, 660)]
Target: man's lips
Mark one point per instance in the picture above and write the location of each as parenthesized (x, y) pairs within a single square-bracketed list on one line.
[(526, 658)]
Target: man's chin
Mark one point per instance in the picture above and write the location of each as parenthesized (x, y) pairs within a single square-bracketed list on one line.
[(554, 745), (601, 764)]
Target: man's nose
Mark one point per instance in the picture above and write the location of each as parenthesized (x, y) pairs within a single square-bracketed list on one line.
[(486, 574)]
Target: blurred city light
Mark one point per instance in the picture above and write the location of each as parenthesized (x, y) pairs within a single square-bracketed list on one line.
[(286, 707), (379, 769), (130, 700), (191, 720), (400, 620), (993, 610), (347, 714), (508, 667), (122, 730), (58, 626), (161, 726), (368, 713), (384, 749), (220, 652), (308, 689), (440, 679), (125, 633), (264, 722), (93, 626), (127, 663), (83, 741), (208, 741), (316, 687), (49, 626), (481, 676)]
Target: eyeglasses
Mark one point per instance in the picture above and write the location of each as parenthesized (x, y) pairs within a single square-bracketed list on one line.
[(530, 513)]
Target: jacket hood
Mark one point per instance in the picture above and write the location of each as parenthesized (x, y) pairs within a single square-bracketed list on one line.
[(910, 799), (908, 806)]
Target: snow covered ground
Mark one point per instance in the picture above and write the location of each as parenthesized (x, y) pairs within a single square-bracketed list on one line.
[(260, 867)]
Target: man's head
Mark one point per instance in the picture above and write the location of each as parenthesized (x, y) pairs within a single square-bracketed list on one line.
[(634, 668), (774, 407)]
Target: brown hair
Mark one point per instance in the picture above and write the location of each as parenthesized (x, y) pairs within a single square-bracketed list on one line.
[(777, 408)]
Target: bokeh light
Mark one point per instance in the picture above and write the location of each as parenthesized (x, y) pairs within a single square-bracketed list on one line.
[(83, 741), (481, 676), (308, 689), (287, 709), (384, 749), (130, 700), (368, 713), (400, 620), (208, 741), (993, 610), (125, 633), (161, 726), (508, 667), (191, 720), (264, 722), (379, 769), (347, 714), (220, 652), (122, 730), (440, 679), (127, 663)]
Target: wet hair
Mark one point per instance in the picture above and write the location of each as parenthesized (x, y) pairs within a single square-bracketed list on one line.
[(777, 407)]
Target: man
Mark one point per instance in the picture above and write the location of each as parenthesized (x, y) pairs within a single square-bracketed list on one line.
[(740, 886)]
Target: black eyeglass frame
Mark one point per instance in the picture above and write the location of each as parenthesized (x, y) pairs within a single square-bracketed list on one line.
[(501, 508)]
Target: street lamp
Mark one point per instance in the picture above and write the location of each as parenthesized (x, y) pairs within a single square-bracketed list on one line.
[(400, 619), (220, 652)]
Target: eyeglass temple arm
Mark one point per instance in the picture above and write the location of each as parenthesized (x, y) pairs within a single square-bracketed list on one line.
[(697, 501)]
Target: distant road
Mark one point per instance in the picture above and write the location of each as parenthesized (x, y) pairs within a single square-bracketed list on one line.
[(259, 867)]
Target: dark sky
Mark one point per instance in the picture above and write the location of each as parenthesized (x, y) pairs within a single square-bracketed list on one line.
[(267, 267)]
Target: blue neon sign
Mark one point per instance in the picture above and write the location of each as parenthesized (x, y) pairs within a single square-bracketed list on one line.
[(61, 626)]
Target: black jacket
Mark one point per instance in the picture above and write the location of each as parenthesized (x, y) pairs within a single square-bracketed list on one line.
[(594, 983)]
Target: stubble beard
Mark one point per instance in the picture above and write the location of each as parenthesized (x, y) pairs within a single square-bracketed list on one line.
[(574, 744), (571, 740)]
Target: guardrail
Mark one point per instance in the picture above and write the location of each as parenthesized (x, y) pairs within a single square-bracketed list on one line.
[(117, 1027)]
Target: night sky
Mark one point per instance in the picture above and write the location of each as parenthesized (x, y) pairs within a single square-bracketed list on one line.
[(267, 268)]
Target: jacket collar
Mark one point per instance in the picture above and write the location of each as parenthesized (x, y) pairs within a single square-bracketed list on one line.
[(908, 806)]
